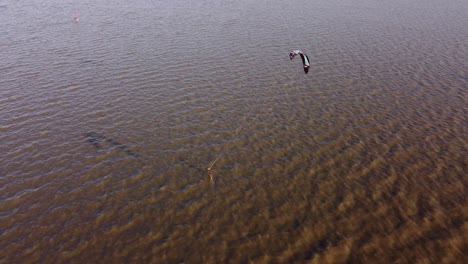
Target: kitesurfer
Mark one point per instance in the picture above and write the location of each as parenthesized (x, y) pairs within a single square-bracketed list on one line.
[(210, 173)]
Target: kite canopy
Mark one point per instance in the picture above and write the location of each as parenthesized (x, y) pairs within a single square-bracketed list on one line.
[(305, 59)]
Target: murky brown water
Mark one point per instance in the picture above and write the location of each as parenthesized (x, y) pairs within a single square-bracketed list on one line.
[(107, 126)]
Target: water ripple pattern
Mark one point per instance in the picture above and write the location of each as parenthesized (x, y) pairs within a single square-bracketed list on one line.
[(107, 125)]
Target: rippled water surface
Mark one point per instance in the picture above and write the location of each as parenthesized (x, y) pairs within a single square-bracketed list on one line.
[(108, 124)]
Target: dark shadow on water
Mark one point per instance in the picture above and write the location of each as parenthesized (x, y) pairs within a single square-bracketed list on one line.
[(101, 141)]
